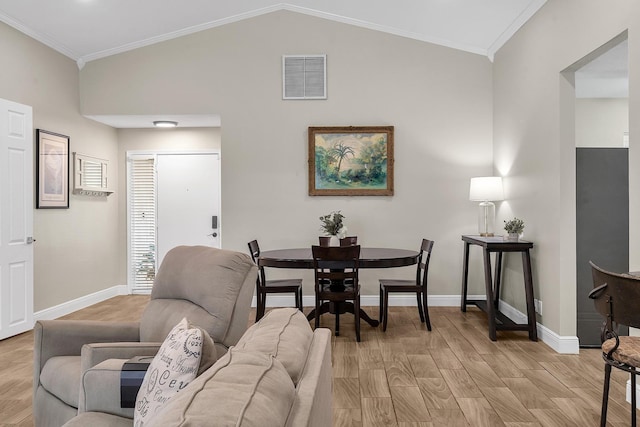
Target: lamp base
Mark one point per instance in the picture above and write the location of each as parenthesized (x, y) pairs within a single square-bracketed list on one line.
[(486, 218)]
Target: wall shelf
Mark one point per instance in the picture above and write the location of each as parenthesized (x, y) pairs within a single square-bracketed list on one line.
[(90, 176)]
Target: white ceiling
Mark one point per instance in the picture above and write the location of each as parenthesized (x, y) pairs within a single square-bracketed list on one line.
[(90, 29)]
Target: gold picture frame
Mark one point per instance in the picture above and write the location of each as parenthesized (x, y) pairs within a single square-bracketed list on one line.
[(351, 161)]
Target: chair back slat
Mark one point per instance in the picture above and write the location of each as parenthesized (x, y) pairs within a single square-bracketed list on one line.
[(336, 275), (619, 299)]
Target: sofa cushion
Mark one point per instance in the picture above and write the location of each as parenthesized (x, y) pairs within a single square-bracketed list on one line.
[(242, 388), (283, 333), (177, 363), (60, 376)]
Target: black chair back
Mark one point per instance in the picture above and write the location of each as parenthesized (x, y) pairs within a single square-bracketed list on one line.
[(254, 250), (335, 264), (349, 241), (422, 271), (616, 297)]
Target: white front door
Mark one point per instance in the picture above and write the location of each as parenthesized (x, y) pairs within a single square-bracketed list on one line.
[(16, 218), (188, 204)]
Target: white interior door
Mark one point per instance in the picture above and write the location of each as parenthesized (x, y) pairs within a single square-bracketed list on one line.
[(16, 218), (188, 188)]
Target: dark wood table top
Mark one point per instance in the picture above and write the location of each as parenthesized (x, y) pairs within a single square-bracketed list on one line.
[(369, 258), (498, 243)]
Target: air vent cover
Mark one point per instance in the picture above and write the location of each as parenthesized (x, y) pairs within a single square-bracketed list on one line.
[(304, 77)]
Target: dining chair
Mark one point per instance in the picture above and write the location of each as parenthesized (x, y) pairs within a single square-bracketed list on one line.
[(336, 280), (349, 241), (418, 285), (616, 298), (279, 286), (324, 240)]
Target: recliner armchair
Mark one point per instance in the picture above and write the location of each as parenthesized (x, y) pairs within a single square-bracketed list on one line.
[(210, 287)]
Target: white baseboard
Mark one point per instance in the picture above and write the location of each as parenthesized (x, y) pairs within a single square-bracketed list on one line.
[(79, 303), (371, 300), (637, 393), (561, 344)]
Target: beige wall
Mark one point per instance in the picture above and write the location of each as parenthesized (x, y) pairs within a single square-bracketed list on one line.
[(601, 122), (156, 140), (535, 139), (76, 249), (438, 99)]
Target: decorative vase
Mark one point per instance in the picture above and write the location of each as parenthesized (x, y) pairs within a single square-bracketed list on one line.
[(512, 237), (334, 240)]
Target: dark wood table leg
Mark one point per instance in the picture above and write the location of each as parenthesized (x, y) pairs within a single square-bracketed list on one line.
[(528, 287), (465, 277), (364, 316), (346, 307), (497, 279), (491, 310), (324, 308)]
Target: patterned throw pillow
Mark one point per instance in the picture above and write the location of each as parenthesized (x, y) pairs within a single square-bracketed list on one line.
[(177, 363)]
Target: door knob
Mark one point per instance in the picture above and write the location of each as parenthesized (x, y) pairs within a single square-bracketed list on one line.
[(214, 234)]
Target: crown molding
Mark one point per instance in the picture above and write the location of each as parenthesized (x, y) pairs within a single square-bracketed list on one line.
[(276, 8), (517, 23), (533, 7), (42, 38)]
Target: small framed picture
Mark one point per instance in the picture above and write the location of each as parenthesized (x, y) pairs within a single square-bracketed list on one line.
[(351, 161), (52, 166)]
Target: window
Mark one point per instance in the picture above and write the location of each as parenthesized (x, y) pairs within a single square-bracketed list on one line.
[(142, 222)]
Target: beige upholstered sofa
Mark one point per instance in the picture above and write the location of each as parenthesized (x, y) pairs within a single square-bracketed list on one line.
[(279, 374), (211, 287)]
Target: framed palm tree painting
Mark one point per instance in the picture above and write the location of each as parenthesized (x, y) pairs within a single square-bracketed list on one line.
[(351, 161)]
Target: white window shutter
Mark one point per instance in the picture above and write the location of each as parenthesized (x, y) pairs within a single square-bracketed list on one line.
[(304, 77), (142, 227)]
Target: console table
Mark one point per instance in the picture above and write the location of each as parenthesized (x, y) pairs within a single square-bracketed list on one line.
[(497, 320)]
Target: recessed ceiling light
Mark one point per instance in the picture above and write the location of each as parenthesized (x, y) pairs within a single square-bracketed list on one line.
[(165, 124)]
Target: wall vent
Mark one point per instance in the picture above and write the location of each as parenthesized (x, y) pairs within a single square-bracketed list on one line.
[(304, 77)]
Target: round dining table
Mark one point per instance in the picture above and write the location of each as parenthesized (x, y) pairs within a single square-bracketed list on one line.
[(301, 258)]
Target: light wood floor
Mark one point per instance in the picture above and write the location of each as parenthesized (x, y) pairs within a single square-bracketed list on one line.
[(407, 376)]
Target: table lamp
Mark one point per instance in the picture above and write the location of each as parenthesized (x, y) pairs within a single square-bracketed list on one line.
[(486, 190)]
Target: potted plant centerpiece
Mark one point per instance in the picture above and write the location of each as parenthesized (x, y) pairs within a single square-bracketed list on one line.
[(333, 226), (514, 227)]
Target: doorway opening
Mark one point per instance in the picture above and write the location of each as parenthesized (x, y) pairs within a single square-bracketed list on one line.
[(602, 174)]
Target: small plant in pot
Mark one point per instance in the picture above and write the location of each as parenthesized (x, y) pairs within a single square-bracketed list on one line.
[(514, 227), (333, 226)]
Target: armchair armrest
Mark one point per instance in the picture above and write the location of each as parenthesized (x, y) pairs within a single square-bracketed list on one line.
[(95, 353), (100, 366), (66, 338)]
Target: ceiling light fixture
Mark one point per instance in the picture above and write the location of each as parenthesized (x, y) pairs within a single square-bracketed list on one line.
[(165, 124)]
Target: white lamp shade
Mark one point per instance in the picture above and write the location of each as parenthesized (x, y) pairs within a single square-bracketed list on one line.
[(486, 188)]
